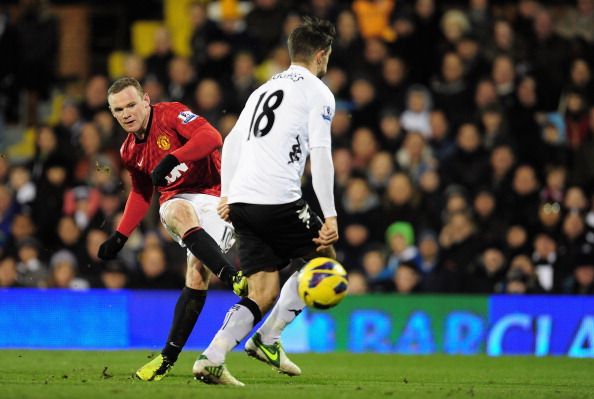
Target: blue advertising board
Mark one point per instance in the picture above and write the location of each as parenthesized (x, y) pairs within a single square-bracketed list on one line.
[(495, 325)]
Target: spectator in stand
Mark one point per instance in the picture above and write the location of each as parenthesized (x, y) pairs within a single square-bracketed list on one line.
[(506, 42), (242, 82), (95, 99), (460, 246), (114, 275), (418, 106), (400, 201), (158, 62), (517, 241), (555, 184), (546, 261), (361, 220), (583, 167), (378, 276), (576, 118), (550, 218), (521, 277), (489, 219), (347, 43), (486, 274), (264, 22), (357, 284), (204, 30), (38, 33), (431, 202), (549, 56), (391, 132), (440, 141), (364, 146), (394, 84), (208, 100), (504, 75), (400, 238), (581, 79), (582, 280), (181, 80), (365, 104), (575, 200), (429, 254), (407, 279), (571, 242), (154, 273), (24, 189), (70, 237), (467, 165), (91, 264), (452, 92), (63, 271), (475, 64), (494, 127), (134, 66), (415, 156), (68, 128), (373, 17), (32, 272), (379, 171), (524, 200), (8, 273), (577, 22)]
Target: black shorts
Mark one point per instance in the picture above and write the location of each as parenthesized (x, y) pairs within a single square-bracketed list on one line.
[(271, 235)]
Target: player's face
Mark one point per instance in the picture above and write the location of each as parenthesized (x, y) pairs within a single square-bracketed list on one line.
[(130, 109), (322, 58)]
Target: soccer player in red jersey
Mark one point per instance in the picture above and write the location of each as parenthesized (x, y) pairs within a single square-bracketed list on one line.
[(178, 152)]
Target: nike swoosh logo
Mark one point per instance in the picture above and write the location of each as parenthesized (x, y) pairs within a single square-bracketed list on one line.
[(273, 356), (140, 162)]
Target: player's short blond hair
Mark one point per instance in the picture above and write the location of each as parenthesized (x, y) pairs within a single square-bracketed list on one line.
[(122, 83)]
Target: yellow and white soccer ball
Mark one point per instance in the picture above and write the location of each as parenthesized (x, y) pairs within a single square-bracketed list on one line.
[(322, 283)]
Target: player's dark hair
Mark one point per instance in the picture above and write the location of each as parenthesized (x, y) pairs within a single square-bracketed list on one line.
[(122, 83), (312, 36)]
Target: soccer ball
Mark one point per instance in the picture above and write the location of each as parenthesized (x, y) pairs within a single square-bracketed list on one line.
[(322, 283)]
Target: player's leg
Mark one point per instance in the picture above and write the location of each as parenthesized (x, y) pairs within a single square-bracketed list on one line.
[(187, 309), (239, 321), (286, 309), (195, 225), (289, 305)]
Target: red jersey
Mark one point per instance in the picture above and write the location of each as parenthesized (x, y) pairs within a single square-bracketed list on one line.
[(172, 129)]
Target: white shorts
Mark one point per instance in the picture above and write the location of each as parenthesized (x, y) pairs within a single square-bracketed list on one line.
[(205, 207)]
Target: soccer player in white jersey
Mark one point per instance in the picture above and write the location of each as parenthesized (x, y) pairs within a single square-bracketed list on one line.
[(284, 120)]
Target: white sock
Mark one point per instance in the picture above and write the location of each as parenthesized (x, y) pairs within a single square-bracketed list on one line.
[(239, 321), (288, 306)]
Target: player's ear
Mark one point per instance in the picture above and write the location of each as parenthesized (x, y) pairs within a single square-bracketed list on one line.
[(319, 57), (146, 99)]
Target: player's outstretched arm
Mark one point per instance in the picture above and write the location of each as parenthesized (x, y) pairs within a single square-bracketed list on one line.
[(322, 170), (137, 206)]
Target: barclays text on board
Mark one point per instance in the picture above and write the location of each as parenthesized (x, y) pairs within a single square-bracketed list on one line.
[(495, 325)]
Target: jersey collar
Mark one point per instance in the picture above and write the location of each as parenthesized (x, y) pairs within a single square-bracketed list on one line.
[(300, 68)]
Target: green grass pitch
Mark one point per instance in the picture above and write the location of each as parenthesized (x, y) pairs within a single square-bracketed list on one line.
[(108, 374)]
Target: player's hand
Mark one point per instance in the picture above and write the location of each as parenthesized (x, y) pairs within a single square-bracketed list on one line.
[(223, 209), (163, 169), (327, 235), (110, 248)]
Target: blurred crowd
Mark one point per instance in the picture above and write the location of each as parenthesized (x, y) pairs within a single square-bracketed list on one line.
[(463, 144)]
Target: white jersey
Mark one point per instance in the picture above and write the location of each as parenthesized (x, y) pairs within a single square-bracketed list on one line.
[(281, 122)]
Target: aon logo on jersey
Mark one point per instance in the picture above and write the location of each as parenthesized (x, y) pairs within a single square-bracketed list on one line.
[(176, 172)]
